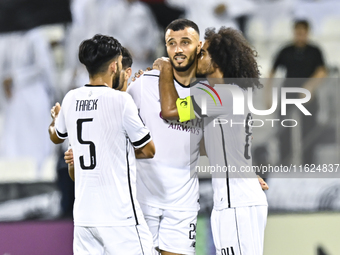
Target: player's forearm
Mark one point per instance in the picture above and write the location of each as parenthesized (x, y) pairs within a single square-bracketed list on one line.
[(51, 129), (71, 171), (53, 134), (148, 151), (140, 155), (168, 94)]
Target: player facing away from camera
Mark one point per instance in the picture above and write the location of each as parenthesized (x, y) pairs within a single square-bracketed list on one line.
[(239, 215), (125, 74), (167, 192), (103, 126)]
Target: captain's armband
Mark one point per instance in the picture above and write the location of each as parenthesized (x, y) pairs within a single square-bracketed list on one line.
[(185, 109)]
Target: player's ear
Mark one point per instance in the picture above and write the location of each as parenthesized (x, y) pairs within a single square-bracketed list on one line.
[(199, 47), (214, 64), (113, 66), (128, 72)]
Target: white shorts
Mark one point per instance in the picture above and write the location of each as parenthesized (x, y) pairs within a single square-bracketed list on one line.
[(127, 240), (239, 231), (172, 231)]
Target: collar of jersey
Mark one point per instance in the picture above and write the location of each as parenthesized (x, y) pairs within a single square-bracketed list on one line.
[(191, 84), (89, 85)]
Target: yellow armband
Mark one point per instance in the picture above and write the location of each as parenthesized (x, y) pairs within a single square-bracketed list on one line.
[(185, 109)]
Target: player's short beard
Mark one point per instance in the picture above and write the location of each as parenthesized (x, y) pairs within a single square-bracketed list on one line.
[(116, 80), (192, 59), (118, 85)]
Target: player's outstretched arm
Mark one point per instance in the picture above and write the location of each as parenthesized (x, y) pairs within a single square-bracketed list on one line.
[(167, 91), (148, 151), (51, 129)]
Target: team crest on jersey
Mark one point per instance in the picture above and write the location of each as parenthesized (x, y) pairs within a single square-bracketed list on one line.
[(212, 89), (90, 93)]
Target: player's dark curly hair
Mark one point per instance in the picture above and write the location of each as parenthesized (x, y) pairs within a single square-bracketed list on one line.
[(95, 53), (234, 56)]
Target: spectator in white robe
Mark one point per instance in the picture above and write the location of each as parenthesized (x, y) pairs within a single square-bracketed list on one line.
[(84, 25), (130, 21), (5, 80), (29, 88), (133, 24), (212, 13)]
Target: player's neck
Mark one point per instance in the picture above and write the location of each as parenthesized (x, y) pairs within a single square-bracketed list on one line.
[(215, 78), (186, 77), (124, 88), (217, 74), (101, 80)]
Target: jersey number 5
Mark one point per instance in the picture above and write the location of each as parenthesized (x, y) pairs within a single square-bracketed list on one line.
[(92, 146)]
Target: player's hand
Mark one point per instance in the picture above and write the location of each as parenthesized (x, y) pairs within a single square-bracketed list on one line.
[(263, 184), (68, 156), (161, 63), (55, 111), (139, 73)]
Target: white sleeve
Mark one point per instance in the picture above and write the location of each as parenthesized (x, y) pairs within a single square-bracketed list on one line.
[(138, 134), (135, 90)]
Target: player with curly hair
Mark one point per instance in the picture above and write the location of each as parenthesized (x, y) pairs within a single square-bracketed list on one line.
[(240, 206)]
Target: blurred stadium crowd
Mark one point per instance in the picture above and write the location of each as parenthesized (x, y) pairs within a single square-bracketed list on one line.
[(38, 66)]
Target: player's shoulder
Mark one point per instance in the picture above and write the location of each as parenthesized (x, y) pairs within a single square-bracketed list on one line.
[(122, 96), (117, 98), (198, 87), (152, 74), (117, 94), (70, 94), (148, 77), (228, 91)]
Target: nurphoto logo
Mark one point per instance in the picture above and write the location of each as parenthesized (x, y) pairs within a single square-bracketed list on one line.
[(241, 100)]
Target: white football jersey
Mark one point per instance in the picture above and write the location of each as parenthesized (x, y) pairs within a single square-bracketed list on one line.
[(227, 138), (165, 181), (101, 124)]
